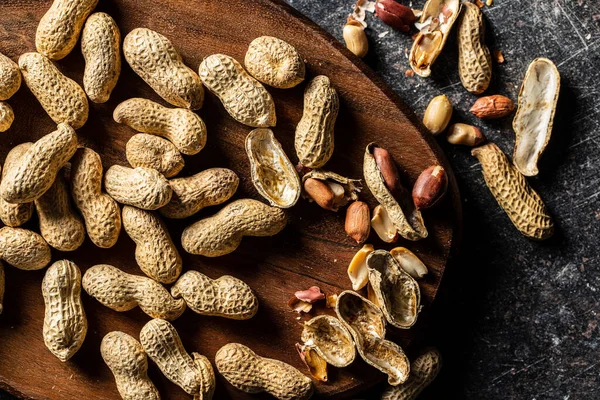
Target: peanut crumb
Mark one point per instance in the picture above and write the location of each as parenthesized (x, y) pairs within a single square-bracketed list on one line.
[(498, 56), (409, 73), (489, 2), (479, 3)]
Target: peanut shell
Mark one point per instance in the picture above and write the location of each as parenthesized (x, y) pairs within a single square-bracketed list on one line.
[(144, 188), (15, 214), (274, 62), (423, 371), (23, 249), (150, 151), (10, 77), (7, 116), (474, 58)]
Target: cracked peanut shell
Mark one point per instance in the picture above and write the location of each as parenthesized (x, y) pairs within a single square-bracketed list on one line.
[(330, 339), (15, 214), (474, 58), (423, 371), (274, 62)]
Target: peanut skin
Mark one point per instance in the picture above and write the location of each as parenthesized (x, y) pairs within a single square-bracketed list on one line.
[(145, 188), (23, 249), (15, 214)]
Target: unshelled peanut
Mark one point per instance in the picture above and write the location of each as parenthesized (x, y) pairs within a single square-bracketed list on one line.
[(15, 214), (145, 188), (23, 249)]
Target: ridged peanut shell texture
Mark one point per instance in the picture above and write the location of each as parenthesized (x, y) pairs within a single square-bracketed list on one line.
[(15, 214), (10, 77), (244, 98), (121, 291), (226, 296), (101, 49), (314, 133), (150, 151), (7, 116), (252, 373), (155, 252), (154, 58), (2, 286), (274, 62), (127, 361), (65, 323), (100, 212), (184, 128), (423, 371), (23, 248), (145, 188), (474, 59), (62, 98), (521, 203), (36, 170), (223, 232), (59, 28)]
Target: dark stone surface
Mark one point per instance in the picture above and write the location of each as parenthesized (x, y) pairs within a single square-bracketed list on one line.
[(515, 318)]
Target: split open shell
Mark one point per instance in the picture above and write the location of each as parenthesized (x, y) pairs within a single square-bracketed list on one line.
[(351, 187), (330, 339)]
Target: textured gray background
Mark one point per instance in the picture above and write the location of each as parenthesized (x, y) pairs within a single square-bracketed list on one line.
[(516, 318)]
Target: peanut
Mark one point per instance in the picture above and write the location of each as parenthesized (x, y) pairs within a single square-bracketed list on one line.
[(155, 252), (7, 116), (60, 226), (10, 77), (207, 188), (15, 214), (163, 345), (409, 262), (467, 135), (33, 174), (120, 291), (101, 49), (387, 167), (154, 58), (394, 14), (317, 366), (274, 62), (358, 221), (320, 192), (261, 374), (2, 284), (357, 270), (59, 28), (184, 128), (495, 106), (423, 371), (226, 296), (383, 225), (244, 98), (62, 98), (23, 249), (150, 151), (127, 361), (474, 58), (521, 203), (330, 190), (355, 37), (145, 188), (65, 324), (430, 187), (438, 114), (222, 233), (100, 212), (314, 133)]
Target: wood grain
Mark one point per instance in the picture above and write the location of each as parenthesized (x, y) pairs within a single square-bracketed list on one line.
[(312, 250)]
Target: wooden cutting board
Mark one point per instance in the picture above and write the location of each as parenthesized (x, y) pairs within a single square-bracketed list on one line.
[(312, 250)]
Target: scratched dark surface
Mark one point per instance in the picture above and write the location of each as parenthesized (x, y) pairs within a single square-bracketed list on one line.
[(515, 318)]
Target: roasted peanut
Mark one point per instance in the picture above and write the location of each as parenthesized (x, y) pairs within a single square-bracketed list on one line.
[(144, 188), (184, 128), (29, 177), (223, 232), (357, 270), (355, 37), (330, 190), (314, 133), (244, 98), (438, 114), (226, 296), (207, 188), (62, 98), (2, 284), (60, 225), (10, 77), (127, 361), (101, 49), (383, 225), (23, 249), (100, 212), (430, 187), (394, 14), (65, 324), (7, 116), (317, 366), (274, 62), (423, 371), (495, 106), (474, 58), (154, 58), (358, 221), (467, 135), (522, 204), (409, 262), (387, 168), (320, 192), (150, 151), (15, 214), (155, 252), (261, 374), (120, 291)]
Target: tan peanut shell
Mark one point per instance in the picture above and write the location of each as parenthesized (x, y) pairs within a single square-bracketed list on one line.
[(244, 98), (273, 174), (145, 188), (127, 361), (10, 77), (15, 214), (154, 58), (65, 323), (274, 62), (150, 151), (192, 193), (330, 339), (59, 29), (163, 345), (121, 291), (100, 212), (314, 133), (60, 225), (226, 296), (7, 116), (155, 252), (29, 177), (23, 249), (2, 286), (474, 58), (222, 233), (62, 98), (400, 208), (101, 49), (261, 374), (184, 128), (521, 203), (423, 371)]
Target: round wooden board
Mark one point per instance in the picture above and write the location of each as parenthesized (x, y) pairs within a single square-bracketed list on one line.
[(312, 250)]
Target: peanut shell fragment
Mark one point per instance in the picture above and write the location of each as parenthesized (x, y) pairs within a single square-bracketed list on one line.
[(330, 339), (274, 62), (15, 214), (23, 249), (474, 58), (423, 371), (2, 286)]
